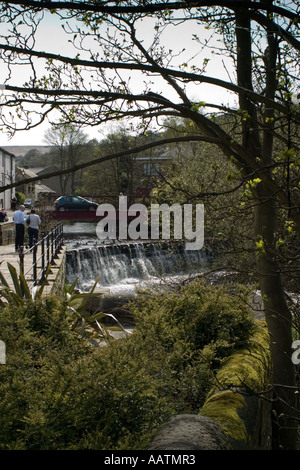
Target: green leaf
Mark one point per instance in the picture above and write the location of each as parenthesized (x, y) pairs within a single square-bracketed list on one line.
[(71, 288), (87, 296), (3, 280), (24, 287), (15, 279), (40, 291)]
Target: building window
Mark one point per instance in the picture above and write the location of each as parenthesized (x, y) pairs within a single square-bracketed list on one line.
[(151, 169)]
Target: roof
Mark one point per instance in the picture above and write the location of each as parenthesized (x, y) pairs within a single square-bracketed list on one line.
[(7, 153), (26, 171), (40, 188)]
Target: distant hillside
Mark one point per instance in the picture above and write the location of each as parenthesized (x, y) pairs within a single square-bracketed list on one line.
[(21, 150)]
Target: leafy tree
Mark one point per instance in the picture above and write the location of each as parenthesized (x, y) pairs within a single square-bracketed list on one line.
[(115, 176), (198, 174), (32, 158), (121, 174), (69, 147), (117, 73)]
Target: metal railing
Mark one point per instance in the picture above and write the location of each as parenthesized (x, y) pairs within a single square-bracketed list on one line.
[(43, 253)]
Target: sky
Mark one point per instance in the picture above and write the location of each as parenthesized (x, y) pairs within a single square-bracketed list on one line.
[(177, 38)]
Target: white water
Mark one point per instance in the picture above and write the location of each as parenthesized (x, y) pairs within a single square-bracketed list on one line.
[(123, 267)]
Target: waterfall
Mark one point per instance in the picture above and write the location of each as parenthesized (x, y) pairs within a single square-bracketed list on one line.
[(130, 263)]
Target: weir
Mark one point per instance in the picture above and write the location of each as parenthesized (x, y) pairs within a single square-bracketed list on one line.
[(130, 263)]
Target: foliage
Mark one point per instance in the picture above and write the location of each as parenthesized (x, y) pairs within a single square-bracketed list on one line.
[(20, 198), (69, 146), (87, 323), (31, 159), (84, 324), (213, 320), (198, 173), (39, 344), (123, 174), (21, 288), (58, 392)]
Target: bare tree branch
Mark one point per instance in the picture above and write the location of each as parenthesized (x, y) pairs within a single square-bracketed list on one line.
[(150, 7)]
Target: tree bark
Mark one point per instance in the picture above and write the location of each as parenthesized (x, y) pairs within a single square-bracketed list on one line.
[(277, 314), (279, 322)]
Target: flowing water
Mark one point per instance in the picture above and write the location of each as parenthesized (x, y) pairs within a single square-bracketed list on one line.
[(123, 266)]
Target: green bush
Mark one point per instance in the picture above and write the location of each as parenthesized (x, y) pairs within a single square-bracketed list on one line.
[(57, 392), (20, 198), (213, 320), (38, 341)]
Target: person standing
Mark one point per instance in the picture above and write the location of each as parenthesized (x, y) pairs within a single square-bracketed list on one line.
[(19, 220), (33, 222), (3, 216), (13, 203)]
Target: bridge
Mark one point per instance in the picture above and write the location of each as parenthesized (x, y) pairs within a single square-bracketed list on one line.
[(73, 215), (78, 215)]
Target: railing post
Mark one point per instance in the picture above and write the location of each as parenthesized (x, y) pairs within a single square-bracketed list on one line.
[(60, 236), (43, 258), (55, 241), (48, 250), (52, 255), (34, 262), (21, 257)]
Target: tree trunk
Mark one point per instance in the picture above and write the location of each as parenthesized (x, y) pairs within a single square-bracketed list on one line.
[(277, 314), (279, 322)]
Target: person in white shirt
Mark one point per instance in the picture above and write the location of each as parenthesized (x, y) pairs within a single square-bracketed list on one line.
[(19, 220), (33, 222)]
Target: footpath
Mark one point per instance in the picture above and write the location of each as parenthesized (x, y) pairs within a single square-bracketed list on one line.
[(8, 255)]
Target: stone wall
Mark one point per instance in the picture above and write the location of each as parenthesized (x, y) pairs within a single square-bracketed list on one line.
[(234, 415), (7, 233), (57, 275)]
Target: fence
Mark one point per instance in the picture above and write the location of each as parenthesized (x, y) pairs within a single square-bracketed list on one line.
[(43, 254)]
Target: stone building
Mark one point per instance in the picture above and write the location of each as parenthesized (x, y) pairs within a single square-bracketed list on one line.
[(7, 169)]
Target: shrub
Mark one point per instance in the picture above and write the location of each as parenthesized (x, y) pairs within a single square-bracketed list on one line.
[(208, 318), (57, 392), (38, 341)]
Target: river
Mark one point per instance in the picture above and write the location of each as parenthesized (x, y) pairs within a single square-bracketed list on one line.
[(124, 265)]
